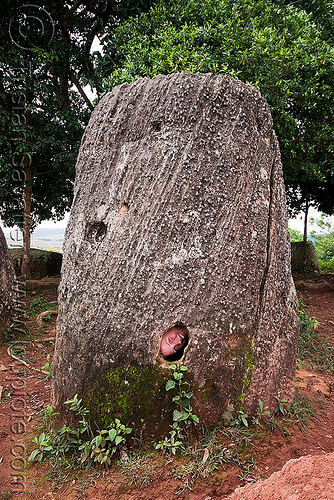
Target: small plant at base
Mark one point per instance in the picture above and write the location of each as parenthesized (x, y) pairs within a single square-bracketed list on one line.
[(272, 423), (47, 414), (262, 411), (203, 461), (39, 305), (171, 443), (248, 471), (101, 448), (139, 469), (47, 367), (280, 408), (241, 419), (98, 448), (44, 444), (183, 416), (302, 408)]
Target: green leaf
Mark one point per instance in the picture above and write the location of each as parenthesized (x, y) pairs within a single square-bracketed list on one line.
[(118, 440), (112, 434), (184, 415), (177, 415), (33, 455), (170, 384), (244, 419), (185, 403), (41, 438)]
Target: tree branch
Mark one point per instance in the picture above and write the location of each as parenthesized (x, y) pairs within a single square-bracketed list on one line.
[(81, 91), (100, 14), (75, 6), (90, 37)]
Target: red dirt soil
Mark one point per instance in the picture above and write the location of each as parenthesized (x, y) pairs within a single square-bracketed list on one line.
[(24, 392), (305, 478)]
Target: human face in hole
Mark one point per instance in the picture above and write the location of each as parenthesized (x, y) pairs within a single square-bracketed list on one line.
[(173, 340)]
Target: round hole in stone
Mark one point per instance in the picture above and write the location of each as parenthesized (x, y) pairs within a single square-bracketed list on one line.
[(95, 231), (174, 341), (156, 125)]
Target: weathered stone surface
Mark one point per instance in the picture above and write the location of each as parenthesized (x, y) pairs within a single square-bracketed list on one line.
[(42, 262), (298, 261), (179, 215), (7, 293)]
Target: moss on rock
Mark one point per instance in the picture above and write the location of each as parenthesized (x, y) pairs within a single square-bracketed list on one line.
[(135, 394)]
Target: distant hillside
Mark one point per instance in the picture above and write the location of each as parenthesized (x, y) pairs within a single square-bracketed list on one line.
[(42, 238)]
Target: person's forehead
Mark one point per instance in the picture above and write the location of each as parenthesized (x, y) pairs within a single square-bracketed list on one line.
[(172, 332)]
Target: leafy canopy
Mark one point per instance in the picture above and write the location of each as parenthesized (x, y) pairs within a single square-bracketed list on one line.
[(45, 62), (275, 47)]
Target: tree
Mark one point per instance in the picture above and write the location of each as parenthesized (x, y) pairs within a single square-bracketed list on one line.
[(277, 48), (45, 52), (322, 12)]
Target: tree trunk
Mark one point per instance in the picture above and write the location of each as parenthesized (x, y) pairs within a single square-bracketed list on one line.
[(63, 98), (25, 269), (305, 230)]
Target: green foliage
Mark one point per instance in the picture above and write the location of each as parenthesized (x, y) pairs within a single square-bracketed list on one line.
[(313, 350), (281, 406), (47, 367), (324, 245), (45, 52), (302, 408), (241, 418), (295, 235), (37, 306), (6, 494), (47, 415), (183, 416), (324, 242), (9, 334), (324, 222), (103, 446), (198, 467), (139, 469), (262, 412), (279, 50), (57, 443)]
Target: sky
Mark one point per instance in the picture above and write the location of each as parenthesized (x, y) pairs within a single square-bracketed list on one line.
[(296, 223)]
